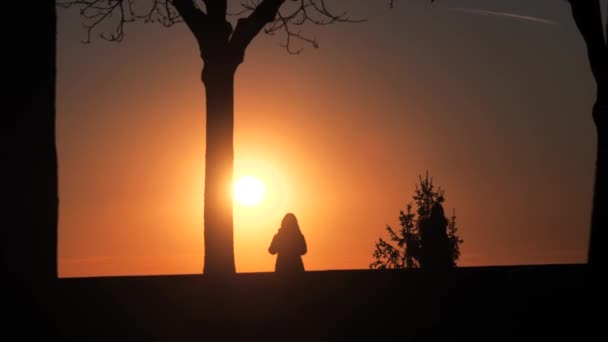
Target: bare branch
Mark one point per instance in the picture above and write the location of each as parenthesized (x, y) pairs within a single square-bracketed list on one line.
[(116, 13), (97, 11), (247, 28), (300, 13), (216, 8), (272, 16), (195, 18)]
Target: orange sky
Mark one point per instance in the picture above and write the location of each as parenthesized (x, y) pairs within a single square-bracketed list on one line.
[(498, 110)]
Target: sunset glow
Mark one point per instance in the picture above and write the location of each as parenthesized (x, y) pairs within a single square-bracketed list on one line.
[(338, 136), (249, 190)]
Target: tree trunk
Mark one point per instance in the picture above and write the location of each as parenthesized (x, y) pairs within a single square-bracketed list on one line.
[(588, 19), (219, 161), (599, 213)]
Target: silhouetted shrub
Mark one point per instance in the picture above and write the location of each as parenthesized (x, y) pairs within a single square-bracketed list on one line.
[(438, 246)]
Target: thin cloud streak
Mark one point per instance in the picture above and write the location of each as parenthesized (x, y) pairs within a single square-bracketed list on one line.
[(504, 14)]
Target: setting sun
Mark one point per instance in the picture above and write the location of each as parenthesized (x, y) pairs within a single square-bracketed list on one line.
[(249, 190)]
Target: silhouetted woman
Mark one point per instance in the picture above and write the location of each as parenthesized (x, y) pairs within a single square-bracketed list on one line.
[(290, 245), (435, 247)]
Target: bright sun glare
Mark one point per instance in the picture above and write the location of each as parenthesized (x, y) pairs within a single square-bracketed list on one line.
[(249, 190)]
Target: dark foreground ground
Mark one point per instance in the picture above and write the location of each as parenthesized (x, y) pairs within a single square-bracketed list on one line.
[(515, 303)]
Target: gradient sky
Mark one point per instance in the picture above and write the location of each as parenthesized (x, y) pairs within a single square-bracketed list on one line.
[(492, 97)]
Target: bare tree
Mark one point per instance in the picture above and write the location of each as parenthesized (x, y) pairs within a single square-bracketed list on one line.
[(222, 49), (588, 18)]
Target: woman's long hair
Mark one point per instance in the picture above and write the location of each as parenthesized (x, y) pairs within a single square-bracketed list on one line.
[(289, 224)]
